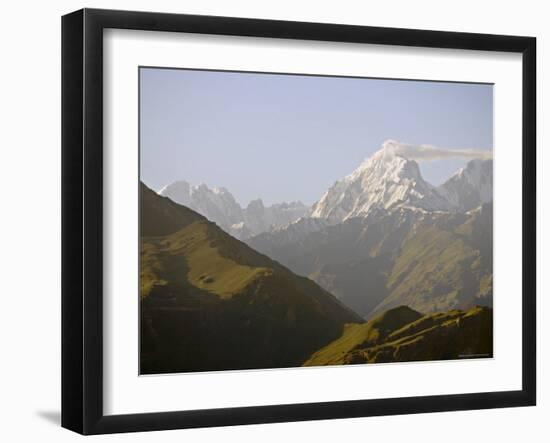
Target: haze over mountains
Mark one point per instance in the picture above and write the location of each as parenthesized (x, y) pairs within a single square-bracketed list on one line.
[(386, 180), (383, 267), (378, 238)]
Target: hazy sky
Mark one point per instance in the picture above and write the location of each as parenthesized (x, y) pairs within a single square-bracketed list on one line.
[(289, 137)]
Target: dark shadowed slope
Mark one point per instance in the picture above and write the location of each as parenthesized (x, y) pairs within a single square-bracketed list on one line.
[(160, 215), (210, 302)]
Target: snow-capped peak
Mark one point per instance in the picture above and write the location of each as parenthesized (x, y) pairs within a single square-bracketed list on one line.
[(216, 204), (385, 179), (471, 186), (219, 206), (387, 161)]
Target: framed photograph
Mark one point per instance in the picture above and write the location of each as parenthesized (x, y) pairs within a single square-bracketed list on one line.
[(269, 221)]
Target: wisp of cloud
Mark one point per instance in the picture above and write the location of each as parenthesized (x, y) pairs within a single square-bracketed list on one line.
[(422, 153)]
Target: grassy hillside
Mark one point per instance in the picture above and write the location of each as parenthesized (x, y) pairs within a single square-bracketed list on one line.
[(363, 335), (209, 302), (402, 334), (444, 264), (191, 249)]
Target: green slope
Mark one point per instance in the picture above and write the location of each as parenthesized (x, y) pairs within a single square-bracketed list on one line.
[(442, 265), (363, 335), (206, 268), (412, 337), (209, 302)]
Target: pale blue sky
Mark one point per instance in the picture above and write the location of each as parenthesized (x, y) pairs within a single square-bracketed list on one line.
[(290, 137)]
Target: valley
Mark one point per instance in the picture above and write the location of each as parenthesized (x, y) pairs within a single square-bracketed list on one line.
[(384, 267)]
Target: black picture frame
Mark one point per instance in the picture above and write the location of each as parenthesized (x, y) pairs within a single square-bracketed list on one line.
[(82, 218)]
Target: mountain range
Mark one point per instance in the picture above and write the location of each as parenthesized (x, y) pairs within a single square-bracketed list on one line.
[(219, 206), (297, 285), (383, 181), (383, 237), (209, 302), (362, 239), (389, 181)]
